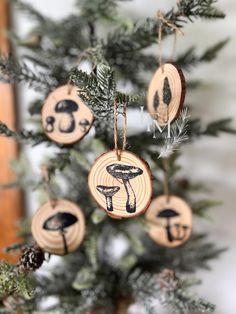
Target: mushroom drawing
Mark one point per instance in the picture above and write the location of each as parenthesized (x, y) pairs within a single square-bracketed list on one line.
[(167, 95), (50, 124), (84, 123), (168, 214), (185, 228), (67, 122), (59, 222), (108, 192), (156, 101), (126, 173), (178, 229)]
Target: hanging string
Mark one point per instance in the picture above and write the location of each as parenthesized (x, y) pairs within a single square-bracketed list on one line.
[(159, 40), (174, 46), (46, 179), (174, 28), (165, 163), (119, 151)]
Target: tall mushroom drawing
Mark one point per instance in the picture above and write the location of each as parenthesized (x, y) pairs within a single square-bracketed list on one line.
[(167, 95), (126, 173), (59, 222), (168, 214), (108, 192), (67, 121)]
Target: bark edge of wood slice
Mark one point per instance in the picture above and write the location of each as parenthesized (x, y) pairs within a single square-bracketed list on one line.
[(166, 94), (170, 223), (122, 188), (65, 117), (47, 233)]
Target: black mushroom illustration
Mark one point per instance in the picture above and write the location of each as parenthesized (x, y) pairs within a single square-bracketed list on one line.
[(126, 173), (168, 214), (59, 222), (84, 123), (50, 124), (108, 192), (66, 108), (167, 95), (180, 236), (156, 101)]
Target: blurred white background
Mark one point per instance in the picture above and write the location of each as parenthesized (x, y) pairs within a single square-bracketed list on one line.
[(210, 159)]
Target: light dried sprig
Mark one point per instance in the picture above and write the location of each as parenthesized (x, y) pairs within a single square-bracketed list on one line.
[(178, 135)]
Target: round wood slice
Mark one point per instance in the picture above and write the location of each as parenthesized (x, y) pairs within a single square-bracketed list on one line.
[(166, 94), (65, 118), (123, 188), (170, 223), (58, 230)]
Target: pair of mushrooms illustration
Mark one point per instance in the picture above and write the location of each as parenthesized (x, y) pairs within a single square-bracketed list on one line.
[(124, 173), (59, 222), (166, 96), (169, 213), (67, 122)]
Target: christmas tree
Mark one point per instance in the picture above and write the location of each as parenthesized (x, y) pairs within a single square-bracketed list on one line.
[(104, 54)]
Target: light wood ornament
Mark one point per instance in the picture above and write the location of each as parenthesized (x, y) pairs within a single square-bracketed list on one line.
[(60, 229), (122, 187), (65, 118), (11, 210), (166, 94), (170, 223)]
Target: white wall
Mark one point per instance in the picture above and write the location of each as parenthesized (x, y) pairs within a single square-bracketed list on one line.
[(209, 159)]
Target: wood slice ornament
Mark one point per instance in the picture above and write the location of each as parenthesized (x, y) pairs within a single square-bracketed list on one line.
[(169, 221), (65, 118), (121, 186), (166, 94), (59, 229)]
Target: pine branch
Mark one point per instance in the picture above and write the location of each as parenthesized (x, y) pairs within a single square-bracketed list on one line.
[(189, 58), (99, 92), (199, 207), (172, 293), (11, 72), (214, 128), (199, 9), (29, 136), (195, 254), (143, 35), (29, 9), (14, 283), (98, 9)]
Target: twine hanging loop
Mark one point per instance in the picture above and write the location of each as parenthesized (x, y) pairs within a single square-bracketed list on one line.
[(119, 151)]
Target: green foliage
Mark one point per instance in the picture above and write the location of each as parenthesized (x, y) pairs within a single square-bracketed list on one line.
[(29, 136), (173, 293), (189, 57), (11, 71), (199, 8), (13, 283)]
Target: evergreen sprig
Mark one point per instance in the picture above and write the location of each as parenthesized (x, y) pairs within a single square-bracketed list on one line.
[(12, 71), (30, 136), (13, 283)]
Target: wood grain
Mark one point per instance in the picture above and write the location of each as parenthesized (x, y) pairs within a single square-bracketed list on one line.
[(122, 187), (11, 199), (166, 94), (170, 222), (63, 126), (50, 238)]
